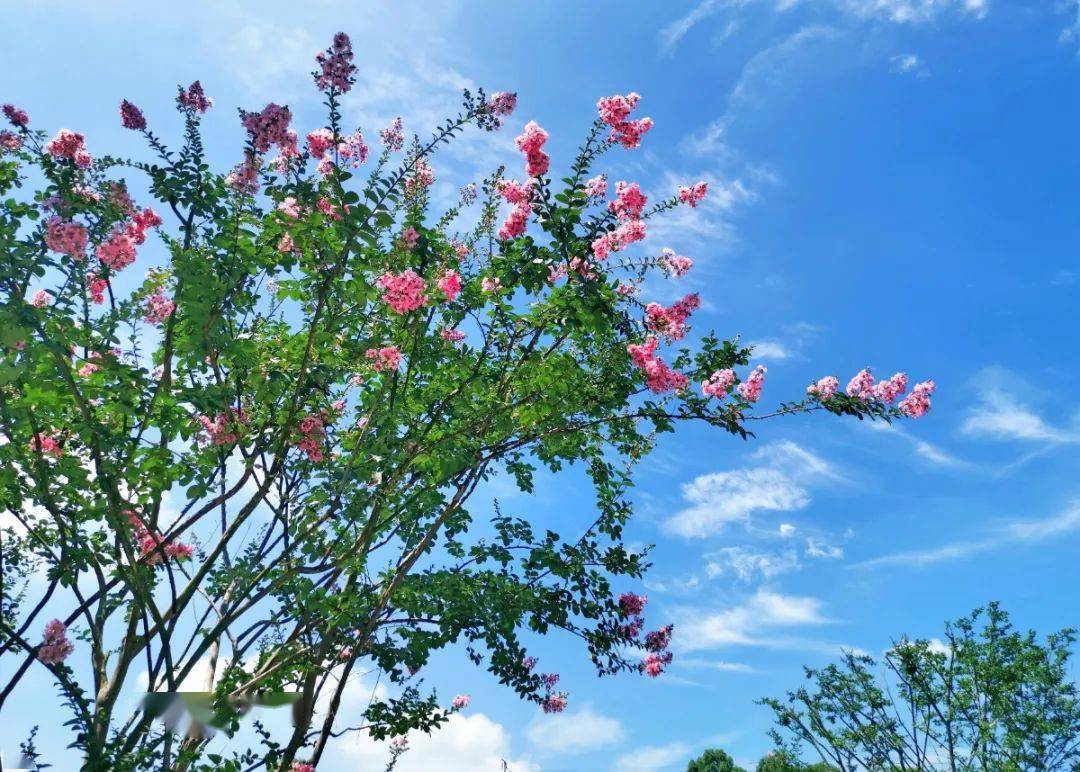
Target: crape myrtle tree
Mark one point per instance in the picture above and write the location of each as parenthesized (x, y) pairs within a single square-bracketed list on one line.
[(321, 373), (988, 698)]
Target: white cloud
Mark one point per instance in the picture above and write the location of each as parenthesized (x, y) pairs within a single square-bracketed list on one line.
[(923, 449), (576, 732), (776, 484), (786, 530), (1010, 534), (747, 563), (818, 548), (1001, 415), (715, 664), (466, 743), (770, 349), (651, 758), (750, 623), (904, 64)]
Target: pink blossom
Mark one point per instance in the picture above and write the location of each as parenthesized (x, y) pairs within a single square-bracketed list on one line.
[(55, 647), (96, 286), (528, 663), (888, 390), (386, 358), (629, 201), (224, 428), (461, 251), (319, 141), (327, 208), (46, 443), (244, 177), (16, 115), (289, 208), (312, 433), (530, 142), (596, 188), (671, 322), (298, 766), (468, 193), (718, 384), (10, 141), (422, 177), (692, 194), (917, 403), (403, 292), (70, 145), (659, 377), (159, 307), (490, 284), (632, 605), (450, 284), (824, 388), (267, 127), (554, 703), (460, 702), (336, 70), (41, 299), (862, 385), (750, 389), (119, 197), (353, 149), (652, 664), (87, 370), (673, 264), (285, 245), (194, 99), (556, 272), (131, 116), (66, 237), (626, 290), (502, 103), (615, 111), (409, 238), (393, 136), (452, 335)]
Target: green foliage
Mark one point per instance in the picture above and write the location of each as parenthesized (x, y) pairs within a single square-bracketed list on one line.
[(713, 760), (988, 698)]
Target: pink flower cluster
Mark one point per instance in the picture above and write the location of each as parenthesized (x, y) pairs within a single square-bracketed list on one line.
[(299, 766), (658, 376), (55, 647), (502, 104), (10, 141), (194, 98), (66, 237), (596, 188), (917, 403), (96, 287), (385, 358), (552, 701), (519, 196), (312, 433), (18, 117), (70, 145), (718, 384), (618, 239), (450, 284), (403, 292), (131, 116), (353, 149), (692, 194), (629, 201), (118, 250), (656, 643), (408, 239), (159, 307), (319, 141), (671, 322), (290, 208), (750, 389), (422, 177), (46, 443), (452, 335), (530, 142), (224, 428), (673, 264), (460, 702), (269, 126), (632, 605), (393, 136), (824, 388), (615, 112), (41, 299), (150, 544), (336, 69)]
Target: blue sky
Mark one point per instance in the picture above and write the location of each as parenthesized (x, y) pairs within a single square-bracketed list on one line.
[(894, 184)]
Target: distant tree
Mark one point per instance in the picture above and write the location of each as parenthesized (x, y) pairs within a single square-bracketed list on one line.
[(713, 760), (989, 698), (788, 761)]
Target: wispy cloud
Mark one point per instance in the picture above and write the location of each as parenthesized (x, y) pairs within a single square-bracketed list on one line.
[(756, 621), (1001, 414), (1010, 534), (907, 64), (652, 758), (748, 563), (778, 483)]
